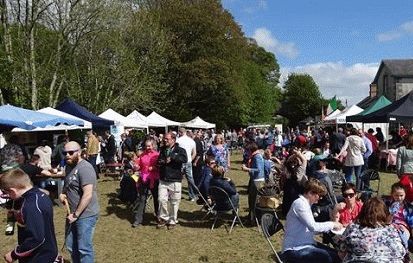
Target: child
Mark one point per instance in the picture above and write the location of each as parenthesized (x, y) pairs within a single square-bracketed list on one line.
[(402, 213), (36, 235)]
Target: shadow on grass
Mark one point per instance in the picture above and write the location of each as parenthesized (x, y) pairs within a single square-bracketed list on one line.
[(117, 207)]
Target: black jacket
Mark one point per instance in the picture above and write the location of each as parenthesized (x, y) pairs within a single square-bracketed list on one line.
[(36, 236), (172, 171), (227, 185)]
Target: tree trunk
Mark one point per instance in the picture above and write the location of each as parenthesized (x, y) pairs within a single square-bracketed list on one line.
[(6, 38), (33, 70), (56, 98)]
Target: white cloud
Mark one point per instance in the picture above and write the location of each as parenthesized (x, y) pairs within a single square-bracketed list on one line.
[(407, 27), (402, 30), (349, 83), (252, 7), (266, 40), (262, 4)]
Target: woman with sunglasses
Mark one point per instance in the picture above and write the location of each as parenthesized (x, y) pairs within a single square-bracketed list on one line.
[(299, 244), (347, 212)]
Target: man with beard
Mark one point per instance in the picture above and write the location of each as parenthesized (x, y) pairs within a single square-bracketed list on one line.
[(80, 192)]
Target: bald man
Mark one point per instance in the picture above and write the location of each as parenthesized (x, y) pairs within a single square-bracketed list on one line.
[(80, 192)]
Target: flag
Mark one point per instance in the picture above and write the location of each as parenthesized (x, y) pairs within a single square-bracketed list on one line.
[(332, 105)]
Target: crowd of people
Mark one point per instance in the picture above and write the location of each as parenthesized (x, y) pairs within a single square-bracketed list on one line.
[(297, 162)]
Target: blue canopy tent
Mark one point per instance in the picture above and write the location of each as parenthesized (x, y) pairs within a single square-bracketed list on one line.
[(11, 117), (71, 107)]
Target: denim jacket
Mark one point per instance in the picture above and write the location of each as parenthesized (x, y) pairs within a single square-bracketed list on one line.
[(257, 167)]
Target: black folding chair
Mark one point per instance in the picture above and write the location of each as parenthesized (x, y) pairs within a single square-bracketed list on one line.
[(223, 205), (271, 224), (371, 175)]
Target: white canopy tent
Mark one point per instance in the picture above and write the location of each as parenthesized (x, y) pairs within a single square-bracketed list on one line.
[(138, 117), (199, 123), (353, 110), (331, 116), (337, 117), (155, 118), (49, 110), (121, 120)]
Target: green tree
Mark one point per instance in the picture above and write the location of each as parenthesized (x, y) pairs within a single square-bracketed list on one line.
[(301, 98)]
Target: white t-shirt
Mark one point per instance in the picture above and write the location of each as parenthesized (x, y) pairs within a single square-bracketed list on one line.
[(188, 144)]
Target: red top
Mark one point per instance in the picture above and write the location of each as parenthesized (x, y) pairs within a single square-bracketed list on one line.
[(347, 217), (374, 143), (408, 186), (402, 132)]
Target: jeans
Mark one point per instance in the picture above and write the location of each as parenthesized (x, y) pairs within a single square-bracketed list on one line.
[(79, 239), (92, 161), (189, 177), (312, 254), (169, 196), (235, 200), (348, 171), (252, 200)]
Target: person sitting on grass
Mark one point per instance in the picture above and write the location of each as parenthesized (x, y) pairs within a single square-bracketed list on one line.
[(219, 180)]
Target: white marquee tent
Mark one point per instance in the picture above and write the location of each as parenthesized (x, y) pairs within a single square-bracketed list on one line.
[(121, 120), (199, 123), (353, 110), (49, 110), (331, 116), (138, 117), (340, 117), (156, 120)]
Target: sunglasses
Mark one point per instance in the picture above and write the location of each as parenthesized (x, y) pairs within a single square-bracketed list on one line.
[(70, 152), (350, 195)]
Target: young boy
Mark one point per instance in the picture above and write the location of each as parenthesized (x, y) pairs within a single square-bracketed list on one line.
[(36, 235)]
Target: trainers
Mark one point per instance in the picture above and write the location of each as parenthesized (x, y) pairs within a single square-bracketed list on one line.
[(135, 225), (161, 223), (171, 226)]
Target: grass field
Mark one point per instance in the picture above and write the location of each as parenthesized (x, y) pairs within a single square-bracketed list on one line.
[(191, 241)]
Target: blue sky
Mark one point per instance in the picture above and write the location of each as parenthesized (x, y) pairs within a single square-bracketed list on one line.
[(339, 43)]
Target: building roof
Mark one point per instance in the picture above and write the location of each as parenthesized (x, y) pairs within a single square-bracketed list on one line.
[(397, 67), (366, 102)]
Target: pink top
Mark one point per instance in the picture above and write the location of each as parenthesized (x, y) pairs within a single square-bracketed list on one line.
[(147, 163)]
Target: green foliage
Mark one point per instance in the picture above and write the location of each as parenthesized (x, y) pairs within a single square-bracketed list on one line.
[(301, 98), (181, 58)]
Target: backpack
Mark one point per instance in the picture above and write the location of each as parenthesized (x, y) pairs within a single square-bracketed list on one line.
[(128, 191)]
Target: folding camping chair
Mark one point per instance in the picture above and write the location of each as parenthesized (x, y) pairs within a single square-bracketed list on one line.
[(372, 175), (223, 205), (206, 205), (271, 224)]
